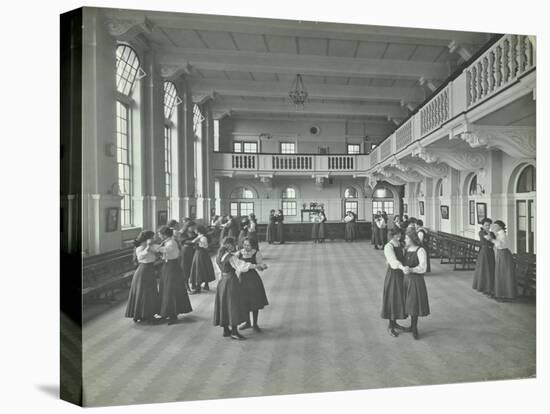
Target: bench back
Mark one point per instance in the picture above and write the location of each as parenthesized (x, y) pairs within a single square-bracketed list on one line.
[(105, 266)]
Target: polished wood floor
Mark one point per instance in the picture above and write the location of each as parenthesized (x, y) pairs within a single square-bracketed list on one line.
[(321, 332)]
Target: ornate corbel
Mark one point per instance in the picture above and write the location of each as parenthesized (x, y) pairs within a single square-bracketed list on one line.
[(129, 28), (458, 159), (433, 170), (516, 141)]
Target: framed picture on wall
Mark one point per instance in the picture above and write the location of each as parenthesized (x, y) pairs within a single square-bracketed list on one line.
[(481, 212), (445, 212), (405, 208), (111, 222), (162, 217), (421, 207)]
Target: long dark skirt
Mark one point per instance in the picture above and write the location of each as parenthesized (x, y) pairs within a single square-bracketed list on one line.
[(252, 287), (393, 297), (253, 238), (416, 296), (315, 231), (322, 231), (228, 307), (271, 232), (375, 235), (202, 269), (143, 300), (186, 261), (224, 233), (280, 232), (484, 275), (505, 275), (173, 293), (383, 235), (349, 231), (428, 261)]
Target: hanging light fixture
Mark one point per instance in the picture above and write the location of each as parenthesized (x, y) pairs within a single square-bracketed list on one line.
[(298, 94)]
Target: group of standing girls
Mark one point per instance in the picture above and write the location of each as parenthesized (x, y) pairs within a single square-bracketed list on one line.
[(240, 291), (249, 231), (275, 227), (380, 230), (405, 292), (318, 229), (350, 230), (495, 269), (147, 301)]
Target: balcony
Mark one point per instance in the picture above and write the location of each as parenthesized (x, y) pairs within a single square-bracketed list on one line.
[(289, 164)]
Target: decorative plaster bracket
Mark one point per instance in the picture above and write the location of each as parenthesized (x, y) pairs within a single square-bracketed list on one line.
[(516, 141), (458, 159), (126, 28)]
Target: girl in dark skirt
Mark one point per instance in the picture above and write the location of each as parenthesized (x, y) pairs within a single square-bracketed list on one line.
[(253, 231), (229, 310), (349, 231), (424, 238), (484, 275), (225, 223), (243, 234), (380, 232), (187, 237), (505, 275), (252, 286), (234, 227), (143, 300), (271, 227), (280, 227), (416, 294), (315, 228), (202, 270), (173, 294), (393, 297), (322, 226)]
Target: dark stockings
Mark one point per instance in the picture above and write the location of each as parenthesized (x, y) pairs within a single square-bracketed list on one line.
[(414, 326)]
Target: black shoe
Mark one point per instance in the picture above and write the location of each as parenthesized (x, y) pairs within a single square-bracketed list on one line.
[(257, 328), (415, 334), (226, 334), (238, 337), (402, 328), (392, 332), (245, 325), (172, 321), (206, 287)]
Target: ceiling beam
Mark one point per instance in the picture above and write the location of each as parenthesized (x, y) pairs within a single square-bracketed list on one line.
[(315, 90), (278, 27), (349, 109), (245, 61)]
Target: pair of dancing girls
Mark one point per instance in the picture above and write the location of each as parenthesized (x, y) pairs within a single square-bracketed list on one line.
[(146, 301), (240, 291), (495, 269), (405, 292)]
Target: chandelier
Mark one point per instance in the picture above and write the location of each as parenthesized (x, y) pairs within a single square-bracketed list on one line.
[(298, 94)]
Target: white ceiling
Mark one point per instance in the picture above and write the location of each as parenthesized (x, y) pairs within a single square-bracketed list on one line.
[(249, 64)]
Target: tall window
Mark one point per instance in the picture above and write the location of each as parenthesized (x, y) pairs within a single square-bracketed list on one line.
[(170, 99), (354, 148), (216, 134), (127, 73), (124, 157), (350, 193), (289, 205), (527, 180), (241, 192), (526, 211), (197, 126), (382, 201), (288, 148), (168, 166), (472, 190), (241, 208)]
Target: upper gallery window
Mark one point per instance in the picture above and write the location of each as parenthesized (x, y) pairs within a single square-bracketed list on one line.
[(127, 69), (170, 99)]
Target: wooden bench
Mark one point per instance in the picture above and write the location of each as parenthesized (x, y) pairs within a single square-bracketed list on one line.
[(526, 271), (459, 251), (107, 273)]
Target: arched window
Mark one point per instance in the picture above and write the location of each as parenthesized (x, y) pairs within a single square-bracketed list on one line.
[(241, 192), (350, 192), (127, 69), (289, 192), (472, 189), (170, 99), (527, 180), (382, 201), (197, 119)]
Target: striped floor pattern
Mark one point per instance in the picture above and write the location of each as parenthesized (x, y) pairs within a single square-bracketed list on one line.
[(321, 332)]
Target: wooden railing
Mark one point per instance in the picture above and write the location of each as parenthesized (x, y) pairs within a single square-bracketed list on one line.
[(292, 162), (404, 134), (435, 112), (244, 161), (501, 65), (341, 162)]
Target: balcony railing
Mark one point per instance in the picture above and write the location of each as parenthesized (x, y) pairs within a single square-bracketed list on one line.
[(291, 162)]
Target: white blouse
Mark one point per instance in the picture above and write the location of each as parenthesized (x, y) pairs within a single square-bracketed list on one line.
[(501, 241), (169, 250), (239, 265), (248, 255), (422, 261), (391, 258), (380, 223), (202, 241), (146, 254), (347, 219)]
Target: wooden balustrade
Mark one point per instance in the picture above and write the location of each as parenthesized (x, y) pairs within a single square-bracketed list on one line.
[(435, 112), (341, 162), (385, 149), (292, 162), (502, 64), (244, 161), (403, 135)]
